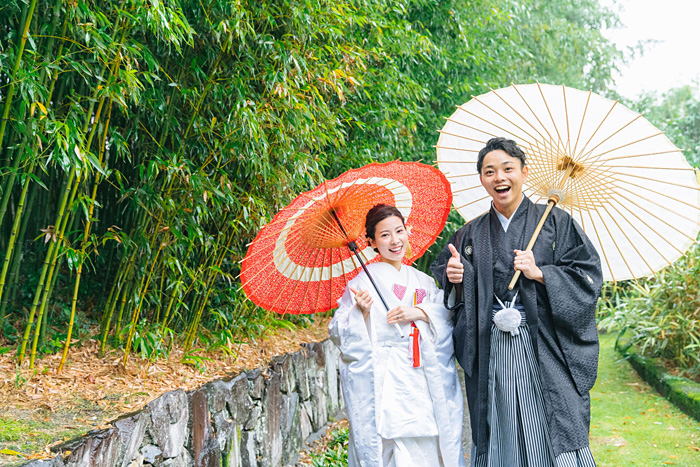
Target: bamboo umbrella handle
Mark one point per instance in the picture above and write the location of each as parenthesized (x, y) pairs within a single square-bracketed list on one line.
[(553, 200)]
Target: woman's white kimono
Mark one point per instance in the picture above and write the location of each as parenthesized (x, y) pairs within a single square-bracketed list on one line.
[(399, 415)]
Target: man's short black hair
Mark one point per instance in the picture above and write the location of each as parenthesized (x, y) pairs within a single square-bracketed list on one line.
[(508, 146)]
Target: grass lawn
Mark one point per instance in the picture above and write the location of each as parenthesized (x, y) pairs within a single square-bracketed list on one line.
[(631, 424)]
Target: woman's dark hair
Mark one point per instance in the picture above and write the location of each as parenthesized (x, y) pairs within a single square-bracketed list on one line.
[(508, 146), (377, 214)]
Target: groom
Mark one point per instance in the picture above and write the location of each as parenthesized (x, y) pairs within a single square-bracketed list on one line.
[(528, 391)]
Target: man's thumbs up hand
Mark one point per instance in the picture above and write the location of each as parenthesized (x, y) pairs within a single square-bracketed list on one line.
[(455, 269)]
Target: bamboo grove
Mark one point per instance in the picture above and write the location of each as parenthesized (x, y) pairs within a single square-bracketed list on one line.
[(144, 142)]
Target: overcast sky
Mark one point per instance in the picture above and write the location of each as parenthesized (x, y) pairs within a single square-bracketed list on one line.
[(675, 60)]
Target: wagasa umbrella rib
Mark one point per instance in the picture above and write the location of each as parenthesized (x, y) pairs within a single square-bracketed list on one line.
[(583, 119), (457, 149), (279, 252), (632, 156), (527, 104), (471, 202), (522, 117), (295, 283), (662, 221), (590, 138), (330, 303), (485, 121), (664, 207), (605, 254), (443, 132), (641, 234), (689, 187), (308, 284), (685, 169), (467, 189), (568, 127), (612, 237), (601, 154), (598, 156), (450, 119), (694, 206), (509, 120), (549, 111)]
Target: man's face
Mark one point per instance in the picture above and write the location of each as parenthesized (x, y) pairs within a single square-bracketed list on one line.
[(503, 177)]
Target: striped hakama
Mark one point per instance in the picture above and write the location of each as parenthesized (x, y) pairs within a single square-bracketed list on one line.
[(518, 430)]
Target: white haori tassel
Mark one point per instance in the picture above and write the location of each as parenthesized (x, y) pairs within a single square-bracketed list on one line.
[(507, 319)]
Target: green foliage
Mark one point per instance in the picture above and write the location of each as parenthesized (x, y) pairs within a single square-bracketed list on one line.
[(148, 142), (197, 361), (677, 112), (661, 315), (29, 434), (336, 453), (151, 342), (683, 392)]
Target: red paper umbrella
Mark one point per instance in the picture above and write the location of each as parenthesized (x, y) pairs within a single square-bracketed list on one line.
[(302, 260)]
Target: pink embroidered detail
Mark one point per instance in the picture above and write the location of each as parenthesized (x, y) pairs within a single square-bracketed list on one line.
[(399, 291), (420, 295)]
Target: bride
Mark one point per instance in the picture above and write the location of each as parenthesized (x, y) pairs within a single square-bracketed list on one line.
[(402, 394)]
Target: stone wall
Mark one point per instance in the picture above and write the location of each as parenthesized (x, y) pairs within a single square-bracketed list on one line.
[(259, 418)]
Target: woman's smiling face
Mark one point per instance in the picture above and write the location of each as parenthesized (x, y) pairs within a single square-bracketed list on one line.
[(391, 239)]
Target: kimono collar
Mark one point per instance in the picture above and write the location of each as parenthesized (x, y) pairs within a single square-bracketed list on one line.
[(390, 273), (505, 221)]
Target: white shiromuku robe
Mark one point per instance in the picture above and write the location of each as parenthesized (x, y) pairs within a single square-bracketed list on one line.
[(399, 415)]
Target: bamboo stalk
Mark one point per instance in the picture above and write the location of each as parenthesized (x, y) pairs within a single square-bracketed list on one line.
[(107, 318), (135, 317), (8, 186), (11, 286), (15, 70), (61, 228), (86, 237), (13, 236), (44, 270)]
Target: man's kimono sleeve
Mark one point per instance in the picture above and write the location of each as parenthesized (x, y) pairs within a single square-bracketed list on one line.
[(464, 304), (573, 286)]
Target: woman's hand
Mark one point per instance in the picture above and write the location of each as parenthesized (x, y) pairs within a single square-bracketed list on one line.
[(364, 301), (405, 314), (525, 262)]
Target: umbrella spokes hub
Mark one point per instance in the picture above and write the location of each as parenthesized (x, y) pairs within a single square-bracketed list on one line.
[(557, 195), (626, 184), (570, 166)]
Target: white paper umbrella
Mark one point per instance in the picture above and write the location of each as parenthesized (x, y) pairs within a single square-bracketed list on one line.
[(627, 185)]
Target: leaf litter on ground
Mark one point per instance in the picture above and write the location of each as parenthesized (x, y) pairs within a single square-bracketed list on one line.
[(42, 408)]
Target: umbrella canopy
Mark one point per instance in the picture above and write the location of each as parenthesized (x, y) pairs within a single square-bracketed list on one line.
[(301, 261), (627, 185)]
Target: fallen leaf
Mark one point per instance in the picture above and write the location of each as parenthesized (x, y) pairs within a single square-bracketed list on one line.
[(10, 452)]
